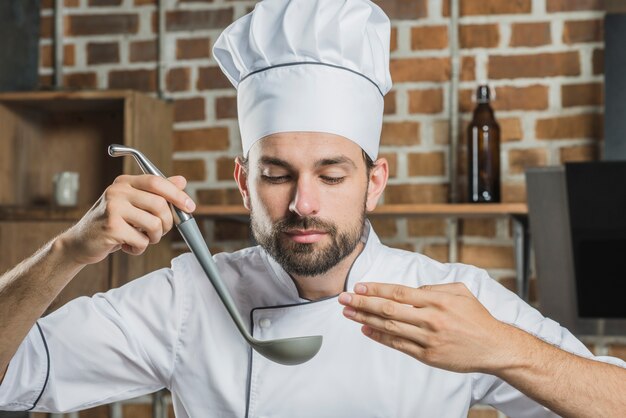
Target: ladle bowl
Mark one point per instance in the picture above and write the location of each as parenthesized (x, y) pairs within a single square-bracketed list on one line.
[(287, 351)]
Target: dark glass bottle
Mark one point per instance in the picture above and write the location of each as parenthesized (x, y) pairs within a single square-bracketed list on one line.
[(483, 152)]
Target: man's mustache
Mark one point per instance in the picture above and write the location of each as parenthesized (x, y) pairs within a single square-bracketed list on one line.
[(307, 222)]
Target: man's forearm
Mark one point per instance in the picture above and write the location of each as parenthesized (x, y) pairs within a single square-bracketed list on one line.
[(569, 385), (25, 293)]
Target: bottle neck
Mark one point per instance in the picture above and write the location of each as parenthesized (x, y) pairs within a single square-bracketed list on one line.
[(484, 111)]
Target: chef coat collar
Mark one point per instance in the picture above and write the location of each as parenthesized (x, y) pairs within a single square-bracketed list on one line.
[(361, 265)]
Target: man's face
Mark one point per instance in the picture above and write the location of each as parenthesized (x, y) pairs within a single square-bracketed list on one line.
[(307, 194)]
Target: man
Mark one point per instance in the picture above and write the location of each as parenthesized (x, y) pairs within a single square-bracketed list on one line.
[(310, 76)]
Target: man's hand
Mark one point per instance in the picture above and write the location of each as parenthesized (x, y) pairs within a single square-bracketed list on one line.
[(132, 213), (443, 326)]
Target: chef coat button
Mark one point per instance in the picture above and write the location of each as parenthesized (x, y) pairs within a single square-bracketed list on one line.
[(265, 323)]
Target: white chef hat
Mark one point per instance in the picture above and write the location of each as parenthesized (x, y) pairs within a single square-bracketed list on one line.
[(309, 65)]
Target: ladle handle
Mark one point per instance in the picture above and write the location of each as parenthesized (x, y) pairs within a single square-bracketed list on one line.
[(188, 228)]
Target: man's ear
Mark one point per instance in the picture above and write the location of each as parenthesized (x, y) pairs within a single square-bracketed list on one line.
[(377, 181), (241, 177)]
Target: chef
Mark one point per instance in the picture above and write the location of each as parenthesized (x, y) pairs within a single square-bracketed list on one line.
[(403, 335)]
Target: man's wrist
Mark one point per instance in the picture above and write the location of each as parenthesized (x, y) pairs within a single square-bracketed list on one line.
[(512, 348), (61, 252)]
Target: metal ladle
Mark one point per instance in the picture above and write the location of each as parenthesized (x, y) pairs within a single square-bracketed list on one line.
[(288, 351)]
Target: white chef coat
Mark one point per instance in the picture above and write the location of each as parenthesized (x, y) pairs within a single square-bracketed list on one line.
[(169, 329)]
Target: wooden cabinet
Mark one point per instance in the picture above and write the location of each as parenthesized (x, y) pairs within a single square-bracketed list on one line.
[(43, 133)]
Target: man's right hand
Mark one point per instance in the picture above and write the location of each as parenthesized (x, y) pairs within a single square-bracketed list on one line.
[(132, 213)]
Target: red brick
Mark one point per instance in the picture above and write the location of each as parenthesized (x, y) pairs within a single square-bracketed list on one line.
[(530, 34), (103, 53), (574, 5), (390, 103), (420, 69), (441, 131), (513, 192), (218, 197), (468, 68), (385, 227), (400, 133), (186, 110), (598, 61), (46, 56), (145, 2), (226, 108), (212, 78), (144, 51), (589, 94), (427, 164), (429, 37), (102, 24), (403, 9), (535, 65), (45, 81), (510, 129), (46, 27), (392, 159), (192, 170), (521, 159), (426, 227), (521, 98), (583, 31), (86, 80), (578, 153), (137, 410), (416, 193), (104, 3), (97, 412), (178, 79), (426, 101), (489, 7), (479, 36), (487, 256), (225, 167), (477, 228), (393, 39), (143, 80), (189, 20), (193, 48), (564, 127), (205, 139), (437, 252), (231, 230)]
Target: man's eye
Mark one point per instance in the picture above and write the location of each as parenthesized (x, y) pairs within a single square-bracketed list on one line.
[(332, 180), (275, 179)]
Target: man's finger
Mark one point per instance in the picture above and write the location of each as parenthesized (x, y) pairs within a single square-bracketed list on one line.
[(388, 309), (456, 288), (403, 294), (409, 347), (389, 326), (165, 188)]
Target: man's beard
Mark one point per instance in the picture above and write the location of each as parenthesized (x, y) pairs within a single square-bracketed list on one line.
[(304, 259)]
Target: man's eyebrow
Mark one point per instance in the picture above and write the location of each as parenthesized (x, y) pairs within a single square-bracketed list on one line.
[(335, 160), (274, 161)]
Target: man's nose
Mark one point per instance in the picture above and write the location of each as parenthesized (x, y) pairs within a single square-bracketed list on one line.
[(305, 201)]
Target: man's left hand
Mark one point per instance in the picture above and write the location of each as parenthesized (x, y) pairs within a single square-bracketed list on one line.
[(444, 326)]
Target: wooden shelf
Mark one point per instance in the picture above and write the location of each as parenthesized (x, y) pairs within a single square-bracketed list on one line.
[(461, 210)]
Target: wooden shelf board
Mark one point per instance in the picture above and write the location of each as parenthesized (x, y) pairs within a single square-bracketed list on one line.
[(434, 209)]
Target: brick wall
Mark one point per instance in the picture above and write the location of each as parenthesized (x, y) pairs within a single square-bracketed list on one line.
[(543, 57)]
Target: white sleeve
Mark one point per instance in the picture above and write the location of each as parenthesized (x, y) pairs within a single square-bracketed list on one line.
[(509, 308), (112, 346)]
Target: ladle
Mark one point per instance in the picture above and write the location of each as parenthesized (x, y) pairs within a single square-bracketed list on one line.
[(289, 351)]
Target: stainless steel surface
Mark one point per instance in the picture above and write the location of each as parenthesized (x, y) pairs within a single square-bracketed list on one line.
[(288, 351), (522, 256), (550, 232)]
